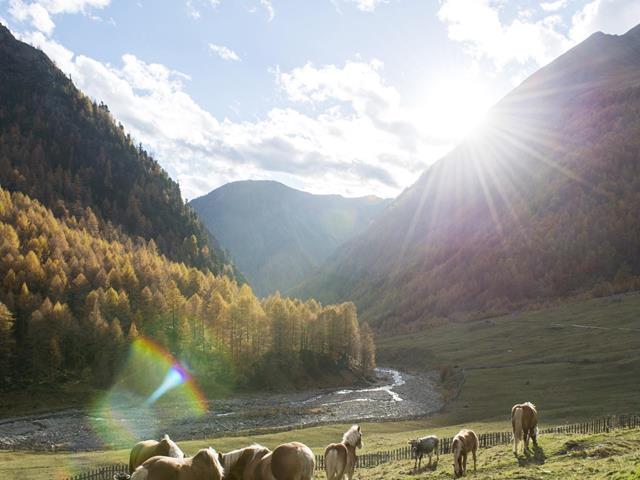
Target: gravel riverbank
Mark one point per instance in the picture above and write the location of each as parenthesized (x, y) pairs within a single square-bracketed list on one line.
[(394, 395)]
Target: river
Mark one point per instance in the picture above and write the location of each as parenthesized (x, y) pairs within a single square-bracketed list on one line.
[(394, 395)]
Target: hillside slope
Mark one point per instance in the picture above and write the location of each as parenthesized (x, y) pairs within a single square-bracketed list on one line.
[(542, 203), (277, 234), (60, 147)]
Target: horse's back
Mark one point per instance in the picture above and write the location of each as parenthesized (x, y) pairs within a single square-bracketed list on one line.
[(292, 461), (335, 460), (468, 439), (161, 468), (529, 415), (144, 450)]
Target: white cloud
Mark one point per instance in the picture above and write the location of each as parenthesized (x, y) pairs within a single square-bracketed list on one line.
[(39, 12), (35, 13), (344, 131), (368, 5), (609, 16), (224, 53), (553, 6), (477, 24), (267, 5)]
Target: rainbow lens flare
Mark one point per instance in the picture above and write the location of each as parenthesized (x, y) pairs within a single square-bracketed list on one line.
[(152, 391)]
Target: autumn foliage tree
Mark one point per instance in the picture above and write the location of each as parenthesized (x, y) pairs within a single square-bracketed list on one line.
[(74, 297)]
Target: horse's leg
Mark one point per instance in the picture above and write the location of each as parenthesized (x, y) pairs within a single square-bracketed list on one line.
[(526, 440), (430, 455), (534, 436), (464, 463), (473, 452)]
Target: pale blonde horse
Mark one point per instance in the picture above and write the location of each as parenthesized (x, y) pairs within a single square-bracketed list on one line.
[(524, 420), (204, 465), (464, 442), (150, 448), (340, 458), (289, 461)]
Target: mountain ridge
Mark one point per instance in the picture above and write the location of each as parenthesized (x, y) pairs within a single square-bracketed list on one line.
[(276, 233), (484, 229), (85, 159)]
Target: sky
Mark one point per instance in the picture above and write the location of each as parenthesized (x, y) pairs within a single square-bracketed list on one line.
[(354, 97)]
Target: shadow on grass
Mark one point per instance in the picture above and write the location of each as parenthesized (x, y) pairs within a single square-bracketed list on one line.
[(532, 457), (425, 468)]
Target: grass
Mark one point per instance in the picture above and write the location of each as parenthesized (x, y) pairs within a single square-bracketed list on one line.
[(571, 373), (614, 456)]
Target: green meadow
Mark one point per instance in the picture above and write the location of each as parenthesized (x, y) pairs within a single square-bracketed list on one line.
[(549, 357)]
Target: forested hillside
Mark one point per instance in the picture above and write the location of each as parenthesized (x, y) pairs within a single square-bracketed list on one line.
[(73, 296), (542, 203), (276, 234), (60, 147)]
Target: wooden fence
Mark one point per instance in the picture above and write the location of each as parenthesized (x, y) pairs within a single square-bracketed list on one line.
[(103, 473), (368, 460)]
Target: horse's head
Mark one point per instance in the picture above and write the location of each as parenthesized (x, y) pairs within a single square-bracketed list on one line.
[(174, 449), (353, 437), (457, 460)]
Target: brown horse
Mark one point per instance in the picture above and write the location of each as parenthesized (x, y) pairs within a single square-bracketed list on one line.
[(524, 420), (340, 458), (205, 465), (464, 442), (151, 448), (289, 461)]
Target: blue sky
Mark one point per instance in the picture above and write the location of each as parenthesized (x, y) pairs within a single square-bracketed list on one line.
[(353, 97)]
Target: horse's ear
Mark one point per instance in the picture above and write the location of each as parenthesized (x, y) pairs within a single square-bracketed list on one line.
[(358, 427), (165, 437)]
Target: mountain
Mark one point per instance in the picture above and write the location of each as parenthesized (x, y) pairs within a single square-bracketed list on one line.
[(540, 204), (277, 234), (60, 147)]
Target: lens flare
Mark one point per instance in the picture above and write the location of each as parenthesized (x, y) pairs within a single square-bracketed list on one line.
[(175, 377), (152, 391)]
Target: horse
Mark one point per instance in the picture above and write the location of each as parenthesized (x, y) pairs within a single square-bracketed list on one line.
[(204, 465), (464, 442), (289, 461), (340, 458), (424, 446), (524, 420), (151, 448)]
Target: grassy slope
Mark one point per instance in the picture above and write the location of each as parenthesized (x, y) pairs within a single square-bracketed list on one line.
[(615, 456), (573, 374)]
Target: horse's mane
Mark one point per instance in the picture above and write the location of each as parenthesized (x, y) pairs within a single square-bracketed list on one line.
[(216, 462), (351, 436), (233, 456)]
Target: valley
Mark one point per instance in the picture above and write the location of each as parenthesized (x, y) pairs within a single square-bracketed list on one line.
[(394, 395)]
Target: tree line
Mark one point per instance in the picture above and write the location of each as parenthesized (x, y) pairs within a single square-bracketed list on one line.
[(75, 292)]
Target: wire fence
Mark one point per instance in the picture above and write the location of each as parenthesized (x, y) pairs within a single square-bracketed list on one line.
[(373, 459)]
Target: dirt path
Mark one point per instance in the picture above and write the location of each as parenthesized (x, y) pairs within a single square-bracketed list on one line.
[(395, 395)]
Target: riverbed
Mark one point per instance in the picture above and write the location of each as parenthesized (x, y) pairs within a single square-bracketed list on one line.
[(394, 395)]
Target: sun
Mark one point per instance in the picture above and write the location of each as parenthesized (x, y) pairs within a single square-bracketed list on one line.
[(453, 110)]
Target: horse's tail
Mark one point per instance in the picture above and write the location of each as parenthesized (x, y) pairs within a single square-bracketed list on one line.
[(141, 473), (132, 458), (516, 422), (331, 460), (308, 467)]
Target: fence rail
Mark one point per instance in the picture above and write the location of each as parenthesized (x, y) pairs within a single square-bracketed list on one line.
[(369, 460)]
